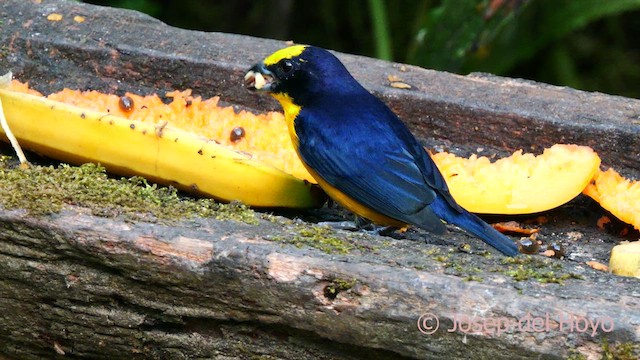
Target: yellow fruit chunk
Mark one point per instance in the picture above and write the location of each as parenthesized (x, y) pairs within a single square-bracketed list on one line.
[(625, 259), (521, 183), (156, 148), (619, 196), (54, 17), (266, 139)]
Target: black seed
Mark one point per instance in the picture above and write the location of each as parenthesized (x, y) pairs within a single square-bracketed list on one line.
[(236, 134), (126, 103), (132, 126)]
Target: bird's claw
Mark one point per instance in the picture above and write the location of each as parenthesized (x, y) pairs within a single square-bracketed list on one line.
[(359, 224)]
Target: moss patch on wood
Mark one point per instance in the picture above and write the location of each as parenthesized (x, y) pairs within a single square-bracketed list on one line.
[(544, 270), (338, 285), (319, 237), (611, 351), (42, 190)]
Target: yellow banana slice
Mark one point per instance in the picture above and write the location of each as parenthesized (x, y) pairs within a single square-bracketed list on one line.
[(162, 154)]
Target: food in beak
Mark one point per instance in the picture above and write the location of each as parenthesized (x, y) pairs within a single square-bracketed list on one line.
[(254, 80)]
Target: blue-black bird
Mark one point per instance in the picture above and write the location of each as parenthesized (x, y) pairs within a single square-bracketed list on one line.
[(358, 150)]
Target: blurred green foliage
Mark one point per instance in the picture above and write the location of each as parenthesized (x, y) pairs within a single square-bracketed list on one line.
[(586, 44)]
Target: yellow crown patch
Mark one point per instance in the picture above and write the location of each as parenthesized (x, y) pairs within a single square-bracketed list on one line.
[(286, 53)]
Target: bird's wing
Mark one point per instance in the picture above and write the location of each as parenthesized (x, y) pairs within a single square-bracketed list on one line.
[(381, 174)]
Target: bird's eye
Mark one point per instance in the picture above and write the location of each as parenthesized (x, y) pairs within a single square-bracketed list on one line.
[(286, 65)]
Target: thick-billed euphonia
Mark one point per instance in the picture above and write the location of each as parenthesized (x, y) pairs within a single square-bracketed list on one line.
[(358, 150)]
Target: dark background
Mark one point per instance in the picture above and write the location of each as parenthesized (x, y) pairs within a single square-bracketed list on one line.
[(586, 44)]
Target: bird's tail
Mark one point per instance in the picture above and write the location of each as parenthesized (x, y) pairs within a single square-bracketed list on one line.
[(476, 226)]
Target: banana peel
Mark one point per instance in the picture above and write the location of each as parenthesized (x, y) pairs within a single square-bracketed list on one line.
[(159, 153)]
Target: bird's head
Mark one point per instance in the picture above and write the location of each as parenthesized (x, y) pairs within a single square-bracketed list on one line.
[(300, 73)]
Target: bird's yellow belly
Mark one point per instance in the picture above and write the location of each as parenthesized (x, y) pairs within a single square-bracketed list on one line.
[(291, 111), (354, 206)]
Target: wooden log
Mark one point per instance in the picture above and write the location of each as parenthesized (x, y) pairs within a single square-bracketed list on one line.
[(78, 285), (95, 287)]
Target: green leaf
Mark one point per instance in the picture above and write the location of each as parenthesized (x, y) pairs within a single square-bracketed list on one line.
[(537, 26), (381, 29), (452, 32)]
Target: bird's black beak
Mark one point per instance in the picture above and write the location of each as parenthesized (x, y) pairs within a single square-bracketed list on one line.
[(259, 78)]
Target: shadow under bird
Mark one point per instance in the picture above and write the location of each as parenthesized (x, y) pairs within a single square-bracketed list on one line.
[(358, 150)]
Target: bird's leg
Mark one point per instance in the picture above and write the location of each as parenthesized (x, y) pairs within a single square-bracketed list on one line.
[(360, 224), (340, 225), (386, 230), (373, 229), (363, 224)]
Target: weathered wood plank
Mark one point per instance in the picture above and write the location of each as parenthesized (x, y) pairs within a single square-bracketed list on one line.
[(98, 287)]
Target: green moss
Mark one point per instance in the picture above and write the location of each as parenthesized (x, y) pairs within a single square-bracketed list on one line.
[(319, 237), (344, 284), (619, 351), (616, 351), (338, 285), (486, 254), (522, 273), (42, 190), (535, 261), (457, 267), (236, 211), (544, 270), (432, 252), (387, 243), (474, 278), (464, 267), (520, 268)]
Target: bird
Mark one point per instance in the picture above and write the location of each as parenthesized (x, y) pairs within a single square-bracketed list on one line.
[(357, 149)]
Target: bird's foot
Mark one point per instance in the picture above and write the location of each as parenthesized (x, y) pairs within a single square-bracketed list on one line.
[(340, 225), (360, 224)]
